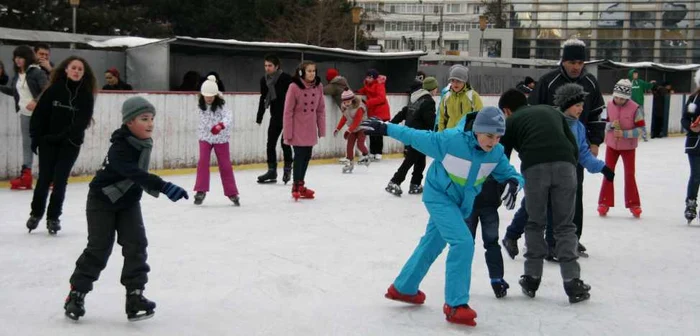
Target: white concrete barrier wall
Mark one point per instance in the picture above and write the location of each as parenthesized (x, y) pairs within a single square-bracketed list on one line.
[(176, 124)]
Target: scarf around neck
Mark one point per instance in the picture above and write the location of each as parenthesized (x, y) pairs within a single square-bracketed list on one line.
[(271, 80), (115, 191)]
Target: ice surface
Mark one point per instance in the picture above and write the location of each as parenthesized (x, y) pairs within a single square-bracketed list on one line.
[(321, 267)]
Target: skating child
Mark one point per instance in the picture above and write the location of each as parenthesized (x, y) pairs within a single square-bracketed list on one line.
[(691, 123), (214, 133), (353, 113), (626, 121), (462, 161), (459, 100), (419, 114), (114, 207)]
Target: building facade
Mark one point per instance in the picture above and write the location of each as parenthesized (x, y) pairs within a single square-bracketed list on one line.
[(627, 31)]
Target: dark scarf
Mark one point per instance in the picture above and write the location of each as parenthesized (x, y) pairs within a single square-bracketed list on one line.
[(271, 80), (115, 191)]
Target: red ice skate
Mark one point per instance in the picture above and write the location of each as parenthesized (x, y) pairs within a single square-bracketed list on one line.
[(603, 210), (462, 314), (24, 181), (300, 191), (393, 294), (636, 211)]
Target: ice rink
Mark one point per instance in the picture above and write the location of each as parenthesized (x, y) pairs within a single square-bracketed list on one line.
[(321, 267)]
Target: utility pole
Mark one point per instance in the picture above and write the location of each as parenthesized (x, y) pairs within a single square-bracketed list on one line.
[(74, 4), (440, 27), (424, 48)]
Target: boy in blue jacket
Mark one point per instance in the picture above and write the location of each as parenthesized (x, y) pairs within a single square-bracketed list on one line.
[(462, 160), (570, 99)]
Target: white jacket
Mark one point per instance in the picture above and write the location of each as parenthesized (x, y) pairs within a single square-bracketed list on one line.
[(208, 119)]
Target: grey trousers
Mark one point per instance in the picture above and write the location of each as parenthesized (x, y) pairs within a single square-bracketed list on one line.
[(557, 179), (27, 155)]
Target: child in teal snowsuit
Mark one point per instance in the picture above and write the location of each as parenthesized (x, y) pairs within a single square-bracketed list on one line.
[(462, 162)]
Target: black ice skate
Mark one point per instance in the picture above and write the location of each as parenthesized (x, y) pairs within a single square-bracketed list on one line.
[(348, 167), (364, 160), (138, 307), (287, 174), (75, 305), (269, 177), (199, 197), (236, 200), (32, 223), (500, 288), (394, 189), (511, 246), (577, 290), (582, 251), (691, 210), (529, 285), (415, 189), (53, 225)]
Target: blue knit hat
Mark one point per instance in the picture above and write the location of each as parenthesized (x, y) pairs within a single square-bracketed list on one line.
[(490, 120)]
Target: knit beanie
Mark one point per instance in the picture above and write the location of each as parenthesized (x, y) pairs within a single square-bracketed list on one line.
[(569, 95), (623, 89), (113, 71), (210, 88), (347, 95), (430, 84), (574, 50), (490, 120), (460, 73), (331, 73), (373, 73), (135, 106)]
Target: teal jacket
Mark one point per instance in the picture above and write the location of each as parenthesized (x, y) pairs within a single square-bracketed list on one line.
[(459, 166)]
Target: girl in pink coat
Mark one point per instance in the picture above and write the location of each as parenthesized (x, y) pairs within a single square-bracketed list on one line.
[(304, 122)]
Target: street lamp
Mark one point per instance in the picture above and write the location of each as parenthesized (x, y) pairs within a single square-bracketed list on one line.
[(356, 11), (74, 4), (483, 20)]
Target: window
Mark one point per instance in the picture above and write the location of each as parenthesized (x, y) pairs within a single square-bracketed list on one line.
[(370, 6), (453, 45), (548, 49), (370, 27), (454, 8), (434, 27), (433, 45), (391, 44), (640, 51), (476, 10), (392, 9), (521, 49)]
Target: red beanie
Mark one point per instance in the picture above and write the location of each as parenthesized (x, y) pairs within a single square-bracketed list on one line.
[(331, 73), (114, 72)]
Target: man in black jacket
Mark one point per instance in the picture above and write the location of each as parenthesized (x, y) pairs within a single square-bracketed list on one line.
[(273, 90), (419, 114)]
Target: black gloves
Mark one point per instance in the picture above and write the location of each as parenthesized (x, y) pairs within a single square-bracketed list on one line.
[(174, 192), (373, 126), (510, 195), (608, 173)]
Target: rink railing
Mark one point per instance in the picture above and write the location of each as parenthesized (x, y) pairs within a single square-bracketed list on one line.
[(176, 128)]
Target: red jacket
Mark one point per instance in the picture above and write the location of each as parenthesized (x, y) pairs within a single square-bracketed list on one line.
[(377, 104)]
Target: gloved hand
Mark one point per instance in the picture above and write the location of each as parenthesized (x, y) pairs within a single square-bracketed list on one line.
[(510, 194), (174, 192), (217, 128), (373, 126), (608, 173)]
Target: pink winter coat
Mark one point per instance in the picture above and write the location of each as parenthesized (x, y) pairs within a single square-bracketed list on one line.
[(304, 113)]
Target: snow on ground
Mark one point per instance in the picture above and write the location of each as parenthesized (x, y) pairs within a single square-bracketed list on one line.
[(321, 267)]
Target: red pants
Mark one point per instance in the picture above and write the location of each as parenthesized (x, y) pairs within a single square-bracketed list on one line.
[(223, 158), (607, 190), (359, 138)]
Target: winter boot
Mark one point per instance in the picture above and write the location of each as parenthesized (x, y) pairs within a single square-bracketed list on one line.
[(348, 167), (511, 246), (577, 290), (364, 160), (582, 251), (32, 223), (393, 294), (603, 210), (461, 314), (287, 174), (137, 306), (53, 225), (691, 210), (529, 285), (306, 192), (415, 189), (393, 189), (199, 197), (235, 199), (24, 181), (75, 305), (636, 211), (269, 177), (551, 256), (500, 287)]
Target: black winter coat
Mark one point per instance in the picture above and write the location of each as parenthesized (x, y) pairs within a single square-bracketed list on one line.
[(420, 114), (692, 139), (491, 190), (593, 106), (121, 163), (277, 105), (62, 114), (120, 86)]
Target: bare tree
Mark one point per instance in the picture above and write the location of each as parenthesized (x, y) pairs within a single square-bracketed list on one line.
[(498, 12)]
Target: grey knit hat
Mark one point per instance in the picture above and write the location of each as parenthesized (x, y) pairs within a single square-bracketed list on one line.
[(134, 106), (460, 73), (568, 95), (490, 120)]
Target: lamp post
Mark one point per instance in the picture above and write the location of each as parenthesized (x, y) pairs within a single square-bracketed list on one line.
[(74, 4), (356, 11), (483, 20)]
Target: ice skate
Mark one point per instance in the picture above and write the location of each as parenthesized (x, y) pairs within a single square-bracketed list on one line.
[(636, 211), (393, 294), (199, 197), (603, 210), (500, 288), (691, 211), (74, 306), (394, 189), (577, 290), (529, 285), (287, 174), (235, 199), (348, 167), (32, 223), (511, 247), (53, 225), (24, 181), (364, 160), (415, 189), (462, 314), (269, 177), (375, 157), (138, 307), (343, 161)]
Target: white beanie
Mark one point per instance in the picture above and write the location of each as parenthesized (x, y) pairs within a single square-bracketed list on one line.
[(209, 87), (623, 89)]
